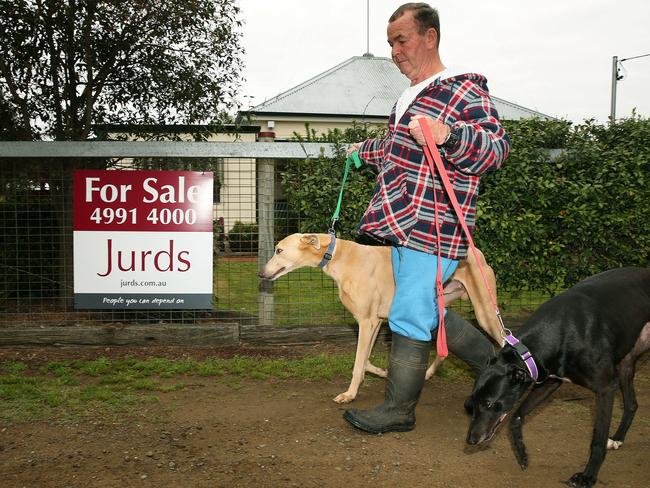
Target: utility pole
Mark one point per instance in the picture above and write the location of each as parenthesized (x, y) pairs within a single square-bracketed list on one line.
[(368, 26), (367, 54), (615, 78), (612, 108)]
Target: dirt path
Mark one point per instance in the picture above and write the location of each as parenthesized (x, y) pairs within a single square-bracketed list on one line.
[(220, 433)]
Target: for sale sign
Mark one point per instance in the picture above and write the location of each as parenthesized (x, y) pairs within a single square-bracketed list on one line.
[(143, 239)]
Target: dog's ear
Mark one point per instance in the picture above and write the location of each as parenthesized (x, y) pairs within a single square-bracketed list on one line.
[(310, 240), (516, 375)]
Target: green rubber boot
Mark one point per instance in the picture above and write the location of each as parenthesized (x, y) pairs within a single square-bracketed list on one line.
[(467, 342), (408, 363)]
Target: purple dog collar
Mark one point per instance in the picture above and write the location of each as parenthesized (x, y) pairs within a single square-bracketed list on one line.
[(525, 355)]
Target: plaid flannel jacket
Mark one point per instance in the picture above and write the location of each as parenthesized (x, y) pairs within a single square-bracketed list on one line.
[(401, 209)]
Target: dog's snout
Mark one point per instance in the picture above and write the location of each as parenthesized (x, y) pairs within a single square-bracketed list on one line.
[(264, 273), (271, 273), (477, 435), (472, 440)]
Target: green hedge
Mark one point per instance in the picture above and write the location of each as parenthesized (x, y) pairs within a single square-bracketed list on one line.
[(546, 220), (243, 237)]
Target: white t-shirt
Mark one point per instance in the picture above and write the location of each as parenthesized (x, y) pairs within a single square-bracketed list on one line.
[(408, 95)]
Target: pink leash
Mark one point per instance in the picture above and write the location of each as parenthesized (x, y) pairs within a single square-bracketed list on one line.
[(433, 156)]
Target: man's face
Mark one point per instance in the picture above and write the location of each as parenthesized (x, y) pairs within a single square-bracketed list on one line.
[(410, 50)]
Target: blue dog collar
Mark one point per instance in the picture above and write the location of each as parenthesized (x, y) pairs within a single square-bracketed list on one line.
[(328, 253), (525, 354)]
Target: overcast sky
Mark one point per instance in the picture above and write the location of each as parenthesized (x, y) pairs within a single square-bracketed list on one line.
[(553, 56)]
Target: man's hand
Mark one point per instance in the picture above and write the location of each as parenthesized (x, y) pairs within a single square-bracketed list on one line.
[(439, 130), (353, 147)]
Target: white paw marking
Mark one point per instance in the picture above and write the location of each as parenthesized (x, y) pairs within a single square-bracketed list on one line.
[(613, 445), (344, 397)]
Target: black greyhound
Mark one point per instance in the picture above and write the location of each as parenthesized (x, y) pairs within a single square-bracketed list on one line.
[(591, 335)]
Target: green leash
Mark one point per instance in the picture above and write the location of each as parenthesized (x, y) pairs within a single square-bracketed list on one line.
[(352, 158)]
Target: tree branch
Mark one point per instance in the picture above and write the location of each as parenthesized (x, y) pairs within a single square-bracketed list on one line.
[(20, 102), (72, 77), (89, 58), (54, 70)]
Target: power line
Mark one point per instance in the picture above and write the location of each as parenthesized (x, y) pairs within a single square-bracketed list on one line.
[(634, 57)]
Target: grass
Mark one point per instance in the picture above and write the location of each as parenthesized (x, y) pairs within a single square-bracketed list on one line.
[(74, 390)]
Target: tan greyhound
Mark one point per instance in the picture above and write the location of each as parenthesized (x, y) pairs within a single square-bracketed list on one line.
[(364, 275)]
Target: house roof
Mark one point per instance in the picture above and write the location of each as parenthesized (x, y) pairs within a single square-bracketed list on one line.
[(363, 87)]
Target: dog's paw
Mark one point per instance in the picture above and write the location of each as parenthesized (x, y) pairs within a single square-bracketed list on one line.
[(522, 459), (614, 445), (431, 371), (521, 454), (433, 367), (345, 397), (580, 480)]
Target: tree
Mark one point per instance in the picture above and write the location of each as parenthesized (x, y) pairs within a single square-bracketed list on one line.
[(9, 126), (66, 65)]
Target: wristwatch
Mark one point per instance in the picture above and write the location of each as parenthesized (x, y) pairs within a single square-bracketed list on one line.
[(454, 137)]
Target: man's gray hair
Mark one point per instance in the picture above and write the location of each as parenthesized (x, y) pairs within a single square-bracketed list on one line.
[(425, 16)]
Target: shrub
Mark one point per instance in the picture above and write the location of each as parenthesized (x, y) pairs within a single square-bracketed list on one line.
[(243, 237)]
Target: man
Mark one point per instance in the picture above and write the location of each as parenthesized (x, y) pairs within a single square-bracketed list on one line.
[(465, 126)]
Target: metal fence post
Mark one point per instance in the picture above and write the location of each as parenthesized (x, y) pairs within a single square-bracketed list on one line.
[(266, 209)]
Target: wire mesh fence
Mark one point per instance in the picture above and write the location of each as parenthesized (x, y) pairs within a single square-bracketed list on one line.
[(36, 255)]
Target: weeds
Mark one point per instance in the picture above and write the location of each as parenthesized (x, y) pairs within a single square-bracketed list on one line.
[(103, 386)]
